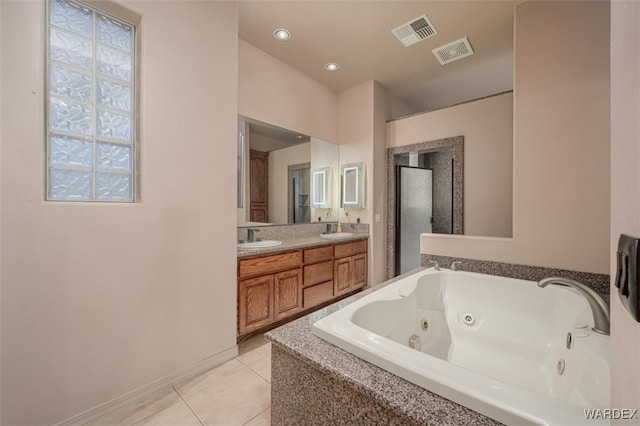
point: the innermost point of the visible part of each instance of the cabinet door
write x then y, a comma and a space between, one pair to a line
359, 271
255, 303
341, 276
288, 293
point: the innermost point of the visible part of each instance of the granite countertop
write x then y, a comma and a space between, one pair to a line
300, 242
419, 404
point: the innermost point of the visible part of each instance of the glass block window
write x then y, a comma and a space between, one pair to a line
90, 105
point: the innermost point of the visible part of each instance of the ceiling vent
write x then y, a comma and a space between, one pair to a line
453, 51
415, 31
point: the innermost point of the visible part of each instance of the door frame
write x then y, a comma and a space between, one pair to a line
456, 144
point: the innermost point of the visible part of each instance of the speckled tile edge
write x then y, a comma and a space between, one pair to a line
597, 282
302, 394
393, 392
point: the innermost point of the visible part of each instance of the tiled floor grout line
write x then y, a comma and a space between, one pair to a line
258, 373
188, 406
257, 415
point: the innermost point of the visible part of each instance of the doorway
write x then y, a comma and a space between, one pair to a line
444, 159
298, 193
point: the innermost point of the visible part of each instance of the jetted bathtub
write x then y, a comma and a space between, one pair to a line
499, 346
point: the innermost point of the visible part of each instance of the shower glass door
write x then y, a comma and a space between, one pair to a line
414, 213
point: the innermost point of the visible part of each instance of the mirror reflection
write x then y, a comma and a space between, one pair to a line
286, 176
320, 188
352, 186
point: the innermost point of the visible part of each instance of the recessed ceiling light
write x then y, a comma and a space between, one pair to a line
331, 66
282, 34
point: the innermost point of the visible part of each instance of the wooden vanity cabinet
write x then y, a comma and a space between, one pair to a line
255, 303
318, 276
350, 267
269, 289
287, 293
272, 288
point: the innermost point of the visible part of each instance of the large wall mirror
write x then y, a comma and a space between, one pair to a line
285, 177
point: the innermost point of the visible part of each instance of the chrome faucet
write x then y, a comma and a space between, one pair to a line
251, 234
599, 307
328, 230
454, 265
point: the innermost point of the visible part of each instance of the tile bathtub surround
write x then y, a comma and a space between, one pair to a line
315, 382
305, 395
597, 282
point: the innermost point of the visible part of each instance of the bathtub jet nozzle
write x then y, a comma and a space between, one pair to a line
599, 308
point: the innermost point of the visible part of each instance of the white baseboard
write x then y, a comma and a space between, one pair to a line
127, 398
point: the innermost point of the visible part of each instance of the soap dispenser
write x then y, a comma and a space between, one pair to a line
339, 228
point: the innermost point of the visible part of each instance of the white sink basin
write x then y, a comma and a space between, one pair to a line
337, 235
259, 244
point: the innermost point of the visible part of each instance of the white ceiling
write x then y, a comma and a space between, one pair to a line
357, 35
267, 137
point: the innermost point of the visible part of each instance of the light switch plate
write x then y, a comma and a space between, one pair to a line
627, 275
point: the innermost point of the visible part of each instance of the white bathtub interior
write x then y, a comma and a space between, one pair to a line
479, 332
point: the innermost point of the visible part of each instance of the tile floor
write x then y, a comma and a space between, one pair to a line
235, 393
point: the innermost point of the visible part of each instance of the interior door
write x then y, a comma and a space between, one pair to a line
259, 186
414, 213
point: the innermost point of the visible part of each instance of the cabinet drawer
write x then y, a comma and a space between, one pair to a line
268, 264
318, 272
317, 294
318, 254
347, 249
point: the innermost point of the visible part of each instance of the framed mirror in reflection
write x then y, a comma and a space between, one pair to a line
321, 188
284, 177
352, 190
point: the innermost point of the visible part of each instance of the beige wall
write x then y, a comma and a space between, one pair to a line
102, 299
273, 92
625, 190
362, 114
561, 143
356, 136
381, 113
279, 162
487, 127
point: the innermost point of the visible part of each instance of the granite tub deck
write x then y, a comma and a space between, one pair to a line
316, 383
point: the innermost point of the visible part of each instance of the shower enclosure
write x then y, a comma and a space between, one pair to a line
414, 214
